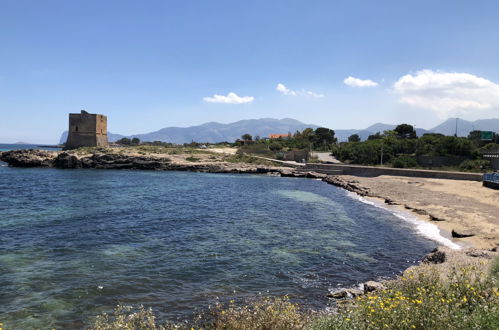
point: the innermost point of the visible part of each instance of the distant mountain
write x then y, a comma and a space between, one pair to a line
216, 132
343, 134
380, 127
464, 127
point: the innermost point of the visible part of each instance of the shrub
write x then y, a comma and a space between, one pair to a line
423, 300
475, 165
404, 162
264, 313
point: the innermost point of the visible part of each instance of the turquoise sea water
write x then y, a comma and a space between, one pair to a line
75, 243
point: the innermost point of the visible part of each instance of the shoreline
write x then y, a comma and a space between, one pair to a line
428, 200
468, 253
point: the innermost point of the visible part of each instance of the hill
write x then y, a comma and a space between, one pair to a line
464, 127
213, 132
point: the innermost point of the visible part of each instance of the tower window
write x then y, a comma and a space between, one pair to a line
76, 128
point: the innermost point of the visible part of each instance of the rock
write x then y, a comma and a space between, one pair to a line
28, 158
434, 218
461, 234
420, 211
345, 293
435, 257
273, 174
390, 202
370, 286
477, 253
66, 160
348, 185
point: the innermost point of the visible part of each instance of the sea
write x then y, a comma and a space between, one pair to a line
76, 243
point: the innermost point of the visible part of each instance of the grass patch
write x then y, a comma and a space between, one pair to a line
192, 159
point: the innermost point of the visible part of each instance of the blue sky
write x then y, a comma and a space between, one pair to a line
153, 64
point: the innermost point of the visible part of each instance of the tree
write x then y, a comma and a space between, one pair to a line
354, 138
247, 137
323, 138
135, 141
376, 136
124, 141
405, 131
275, 146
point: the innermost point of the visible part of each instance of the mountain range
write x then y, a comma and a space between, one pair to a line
213, 132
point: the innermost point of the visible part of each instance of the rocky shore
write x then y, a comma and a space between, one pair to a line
104, 160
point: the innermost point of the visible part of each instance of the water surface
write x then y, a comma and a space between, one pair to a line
77, 242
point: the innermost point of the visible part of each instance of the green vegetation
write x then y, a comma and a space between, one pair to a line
401, 148
129, 142
319, 139
465, 298
192, 159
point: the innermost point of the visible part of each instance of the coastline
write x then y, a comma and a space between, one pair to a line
378, 191
463, 211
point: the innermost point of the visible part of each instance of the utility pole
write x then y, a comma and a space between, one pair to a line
455, 134
381, 153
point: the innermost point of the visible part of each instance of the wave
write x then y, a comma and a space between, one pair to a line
424, 228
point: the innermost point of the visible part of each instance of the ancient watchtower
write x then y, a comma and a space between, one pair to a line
86, 130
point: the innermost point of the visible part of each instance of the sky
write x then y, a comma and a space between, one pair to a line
157, 63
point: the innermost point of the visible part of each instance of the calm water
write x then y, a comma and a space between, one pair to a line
7, 147
74, 243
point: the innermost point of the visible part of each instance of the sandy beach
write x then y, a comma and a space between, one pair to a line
465, 207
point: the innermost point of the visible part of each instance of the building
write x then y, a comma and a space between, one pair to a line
277, 136
87, 130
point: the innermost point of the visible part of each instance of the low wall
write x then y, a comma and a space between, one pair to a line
371, 171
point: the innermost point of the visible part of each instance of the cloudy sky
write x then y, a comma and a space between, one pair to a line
152, 64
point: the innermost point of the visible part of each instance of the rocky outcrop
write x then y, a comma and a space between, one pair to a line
461, 234
101, 160
435, 257
348, 185
371, 286
345, 293
28, 158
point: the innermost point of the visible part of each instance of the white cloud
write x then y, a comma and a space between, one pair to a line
447, 93
231, 98
313, 94
283, 89
356, 82
286, 91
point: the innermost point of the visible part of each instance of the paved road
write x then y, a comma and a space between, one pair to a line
326, 157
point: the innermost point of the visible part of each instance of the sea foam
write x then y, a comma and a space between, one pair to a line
424, 228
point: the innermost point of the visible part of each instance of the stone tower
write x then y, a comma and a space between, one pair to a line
86, 130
